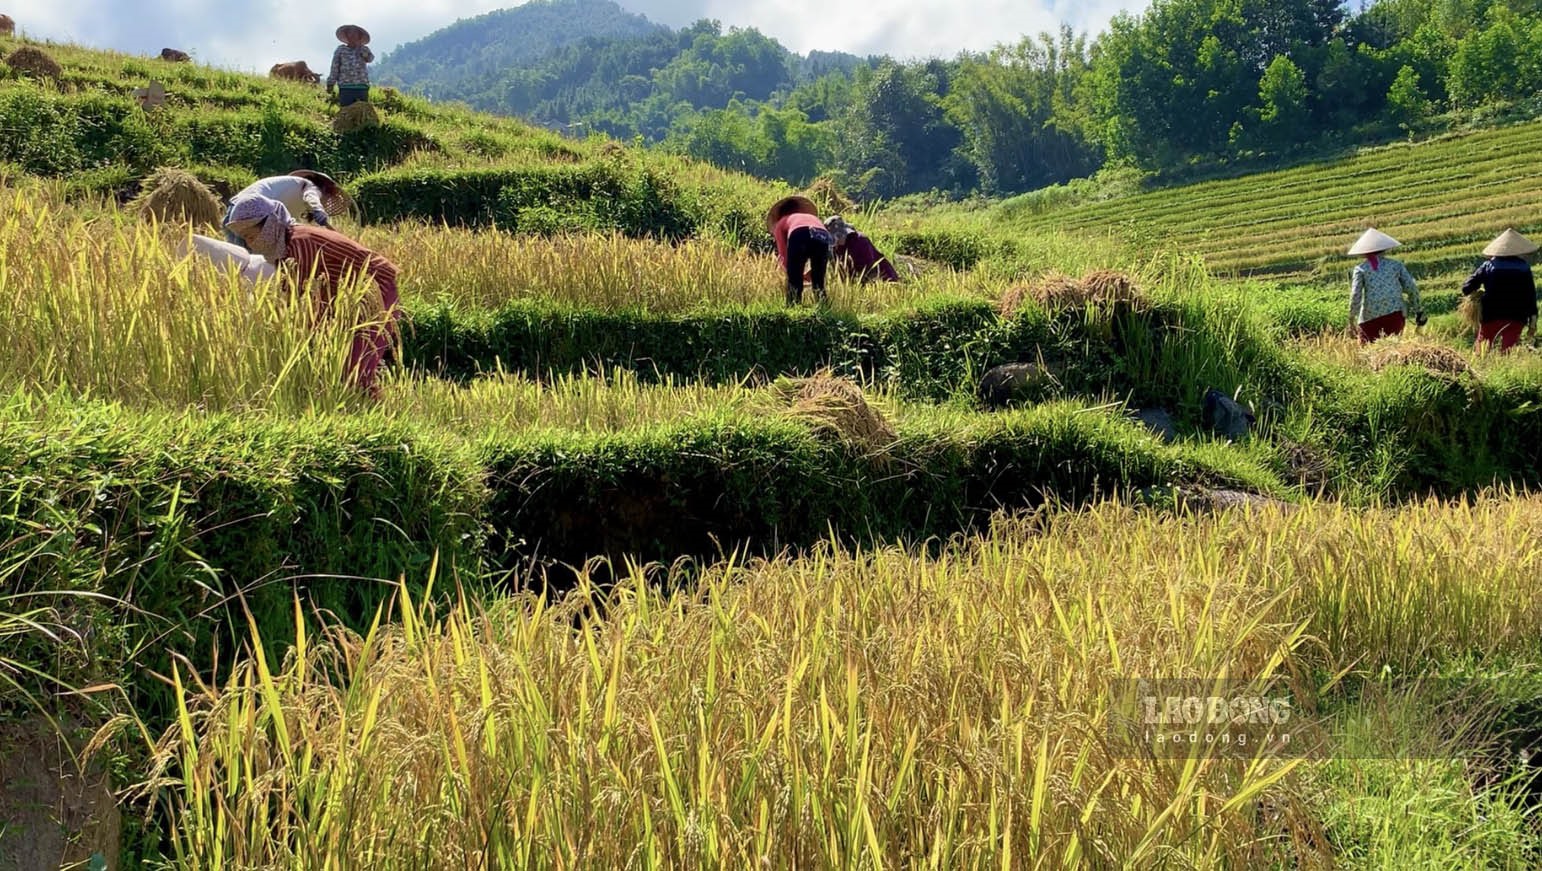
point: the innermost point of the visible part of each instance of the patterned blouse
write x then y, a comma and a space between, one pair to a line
350, 66
1375, 293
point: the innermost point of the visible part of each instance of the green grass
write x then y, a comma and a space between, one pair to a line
88, 131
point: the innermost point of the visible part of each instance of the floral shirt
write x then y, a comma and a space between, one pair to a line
350, 66
1378, 292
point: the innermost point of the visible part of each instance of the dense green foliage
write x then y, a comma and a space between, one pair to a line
459, 62
1184, 84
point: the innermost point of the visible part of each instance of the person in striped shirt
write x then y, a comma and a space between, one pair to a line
1377, 287
323, 261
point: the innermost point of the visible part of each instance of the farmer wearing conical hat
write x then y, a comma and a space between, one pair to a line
1377, 287
303, 192
1508, 292
323, 261
801, 240
350, 65
856, 255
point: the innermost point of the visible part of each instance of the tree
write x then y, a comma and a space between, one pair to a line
725, 137
897, 124
1282, 96
1010, 106
1406, 103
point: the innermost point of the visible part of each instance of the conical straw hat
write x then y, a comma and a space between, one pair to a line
333, 198
348, 30
1510, 244
789, 206
1373, 241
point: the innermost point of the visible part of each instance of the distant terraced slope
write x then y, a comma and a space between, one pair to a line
1442, 199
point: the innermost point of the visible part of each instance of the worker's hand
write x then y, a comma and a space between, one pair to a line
1421, 319
319, 218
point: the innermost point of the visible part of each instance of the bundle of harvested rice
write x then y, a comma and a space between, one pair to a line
1057, 290
173, 195
1011, 301
358, 116
829, 197
34, 62
1107, 286
836, 406
1433, 358
1471, 310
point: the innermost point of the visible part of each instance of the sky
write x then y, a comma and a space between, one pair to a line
255, 34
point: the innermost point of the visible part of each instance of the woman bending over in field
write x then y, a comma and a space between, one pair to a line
1509, 294
322, 261
303, 192
801, 239
856, 255
1377, 287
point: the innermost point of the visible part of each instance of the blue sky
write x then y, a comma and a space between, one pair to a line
253, 35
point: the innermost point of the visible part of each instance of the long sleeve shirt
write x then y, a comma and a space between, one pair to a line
1509, 291
861, 258
1378, 292
786, 225
299, 196
350, 66
327, 259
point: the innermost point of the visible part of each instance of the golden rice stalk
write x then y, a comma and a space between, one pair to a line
837, 406
1108, 286
359, 116
1471, 310
1057, 290
1105, 287
173, 195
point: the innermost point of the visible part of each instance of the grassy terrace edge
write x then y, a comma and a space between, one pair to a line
199, 517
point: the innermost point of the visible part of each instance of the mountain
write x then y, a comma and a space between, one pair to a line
456, 63
583, 65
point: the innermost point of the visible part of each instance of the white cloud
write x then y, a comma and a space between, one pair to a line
255, 34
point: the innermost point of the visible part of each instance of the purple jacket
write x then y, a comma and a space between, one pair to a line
860, 258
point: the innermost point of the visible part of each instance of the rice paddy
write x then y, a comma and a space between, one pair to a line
809, 606
1444, 200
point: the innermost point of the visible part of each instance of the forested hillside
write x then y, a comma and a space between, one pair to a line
470, 56
1185, 85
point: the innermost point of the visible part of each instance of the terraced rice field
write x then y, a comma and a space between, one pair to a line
1442, 199
632, 565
